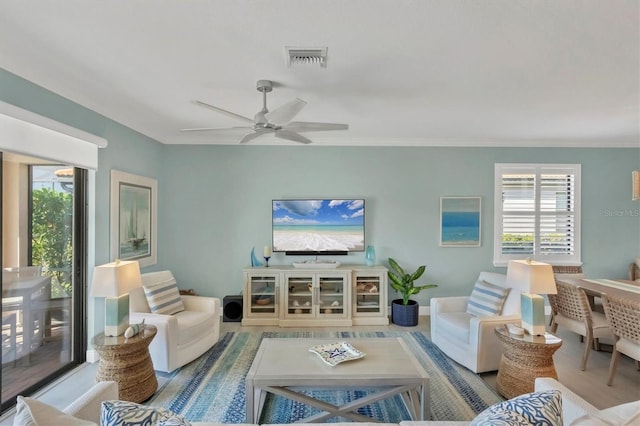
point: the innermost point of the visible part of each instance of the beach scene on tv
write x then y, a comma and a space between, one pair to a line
318, 225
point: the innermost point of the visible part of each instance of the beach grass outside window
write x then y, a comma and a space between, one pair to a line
537, 213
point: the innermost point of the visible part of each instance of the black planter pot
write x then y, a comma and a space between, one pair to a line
404, 315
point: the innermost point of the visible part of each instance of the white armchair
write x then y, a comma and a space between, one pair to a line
181, 337
471, 340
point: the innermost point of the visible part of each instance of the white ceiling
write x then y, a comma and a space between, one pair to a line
399, 72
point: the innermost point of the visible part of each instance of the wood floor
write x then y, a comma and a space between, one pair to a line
590, 384
43, 360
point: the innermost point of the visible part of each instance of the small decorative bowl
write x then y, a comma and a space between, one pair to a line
264, 300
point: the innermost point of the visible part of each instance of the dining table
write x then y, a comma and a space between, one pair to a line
622, 288
28, 289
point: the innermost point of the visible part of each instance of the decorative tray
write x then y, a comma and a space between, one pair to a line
335, 353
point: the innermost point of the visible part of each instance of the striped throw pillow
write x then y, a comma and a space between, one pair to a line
164, 298
486, 299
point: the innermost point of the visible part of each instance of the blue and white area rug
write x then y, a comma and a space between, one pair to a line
211, 388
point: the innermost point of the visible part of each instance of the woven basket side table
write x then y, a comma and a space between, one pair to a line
523, 359
127, 361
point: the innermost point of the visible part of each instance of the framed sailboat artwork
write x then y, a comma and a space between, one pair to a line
134, 206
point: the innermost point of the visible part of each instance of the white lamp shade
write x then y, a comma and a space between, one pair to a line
116, 278
531, 277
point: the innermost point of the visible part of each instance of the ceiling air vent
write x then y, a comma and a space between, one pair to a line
306, 56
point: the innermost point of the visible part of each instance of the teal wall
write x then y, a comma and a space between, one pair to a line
216, 205
215, 201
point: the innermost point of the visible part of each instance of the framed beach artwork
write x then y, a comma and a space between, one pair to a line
460, 221
134, 206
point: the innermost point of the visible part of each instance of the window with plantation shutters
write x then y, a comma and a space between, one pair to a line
537, 213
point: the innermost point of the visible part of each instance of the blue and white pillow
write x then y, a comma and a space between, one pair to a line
164, 298
536, 408
486, 299
124, 413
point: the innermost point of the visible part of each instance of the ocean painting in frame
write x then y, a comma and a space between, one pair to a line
460, 221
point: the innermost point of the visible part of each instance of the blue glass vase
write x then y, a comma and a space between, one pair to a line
370, 256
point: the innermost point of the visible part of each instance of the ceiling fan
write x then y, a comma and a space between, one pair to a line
278, 122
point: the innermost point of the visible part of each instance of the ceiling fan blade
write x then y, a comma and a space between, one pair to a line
284, 114
215, 129
305, 126
291, 136
224, 111
251, 136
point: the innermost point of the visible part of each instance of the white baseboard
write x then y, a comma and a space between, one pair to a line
92, 356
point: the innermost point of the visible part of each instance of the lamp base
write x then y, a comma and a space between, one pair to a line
116, 315
532, 313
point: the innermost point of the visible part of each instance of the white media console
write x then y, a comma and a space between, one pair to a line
289, 296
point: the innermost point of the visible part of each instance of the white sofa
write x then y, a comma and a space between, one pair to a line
467, 339
181, 337
573, 407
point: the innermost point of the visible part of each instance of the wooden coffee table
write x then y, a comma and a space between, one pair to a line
283, 366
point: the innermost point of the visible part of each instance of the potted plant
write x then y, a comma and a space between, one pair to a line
404, 311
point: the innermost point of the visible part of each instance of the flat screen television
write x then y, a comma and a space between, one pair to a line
318, 226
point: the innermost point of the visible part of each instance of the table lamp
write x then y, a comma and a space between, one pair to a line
114, 281
535, 278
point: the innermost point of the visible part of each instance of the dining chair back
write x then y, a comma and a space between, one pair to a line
9, 339
624, 317
562, 272
572, 311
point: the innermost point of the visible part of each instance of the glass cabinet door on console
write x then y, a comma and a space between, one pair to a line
299, 295
331, 296
316, 295
369, 296
261, 298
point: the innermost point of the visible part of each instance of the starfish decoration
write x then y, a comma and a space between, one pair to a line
336, 352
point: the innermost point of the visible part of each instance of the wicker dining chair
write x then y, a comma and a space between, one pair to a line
624, 317
634, 271
571, 310
561, 272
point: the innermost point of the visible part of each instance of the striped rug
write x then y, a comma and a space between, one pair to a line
211, 388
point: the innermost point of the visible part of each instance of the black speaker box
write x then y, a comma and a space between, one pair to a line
232, 308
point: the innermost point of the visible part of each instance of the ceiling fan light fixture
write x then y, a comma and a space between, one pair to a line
306, 56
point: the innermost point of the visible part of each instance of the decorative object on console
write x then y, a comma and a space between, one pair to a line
254, 259
370, 256
635, 193
316, 264
537, 278
114, 281
404, 311
267, 255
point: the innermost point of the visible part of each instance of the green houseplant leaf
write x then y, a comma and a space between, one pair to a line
403, 282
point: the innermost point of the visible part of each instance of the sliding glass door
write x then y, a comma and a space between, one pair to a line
43, 275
